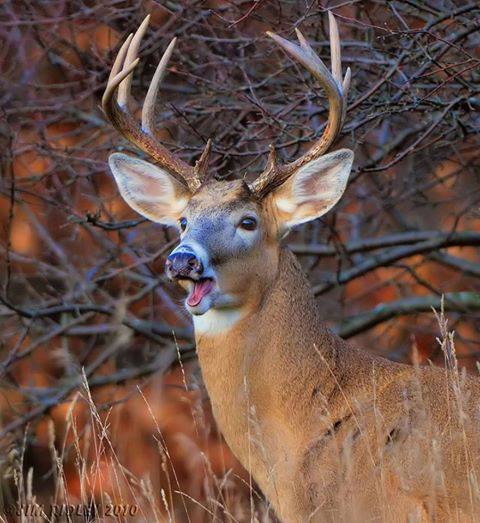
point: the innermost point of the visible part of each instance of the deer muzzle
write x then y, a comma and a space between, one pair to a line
189, 265
184, 263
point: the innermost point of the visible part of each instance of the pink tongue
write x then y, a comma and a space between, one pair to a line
200, 289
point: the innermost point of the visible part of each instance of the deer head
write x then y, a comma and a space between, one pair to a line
229, 231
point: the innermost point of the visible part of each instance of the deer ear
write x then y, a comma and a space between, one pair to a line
314, 189
149, 190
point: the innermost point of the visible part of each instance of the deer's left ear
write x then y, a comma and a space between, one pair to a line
314, 189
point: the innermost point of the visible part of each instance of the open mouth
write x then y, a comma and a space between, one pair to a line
199, 289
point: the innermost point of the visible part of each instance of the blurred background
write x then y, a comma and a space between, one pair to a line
101, 399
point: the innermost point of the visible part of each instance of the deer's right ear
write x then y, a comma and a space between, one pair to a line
149, 190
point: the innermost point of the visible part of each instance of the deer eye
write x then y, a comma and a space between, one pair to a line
248, 223
183, 223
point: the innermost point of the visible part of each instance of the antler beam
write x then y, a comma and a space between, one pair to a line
336, 89
115, 107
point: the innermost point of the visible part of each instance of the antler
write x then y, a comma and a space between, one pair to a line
336, 89
116, 110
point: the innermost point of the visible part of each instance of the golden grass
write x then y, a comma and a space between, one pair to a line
107, 490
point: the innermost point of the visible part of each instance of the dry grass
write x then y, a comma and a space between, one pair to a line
109, 490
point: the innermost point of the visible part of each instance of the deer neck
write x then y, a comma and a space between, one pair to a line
257, 361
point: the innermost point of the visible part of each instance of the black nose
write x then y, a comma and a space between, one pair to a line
183, 264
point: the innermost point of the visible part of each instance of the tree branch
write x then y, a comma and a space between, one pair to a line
389, 257
454, 302
466, 238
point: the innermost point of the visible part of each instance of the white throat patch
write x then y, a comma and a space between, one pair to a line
216, 321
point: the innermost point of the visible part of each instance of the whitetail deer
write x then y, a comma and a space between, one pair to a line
329, 432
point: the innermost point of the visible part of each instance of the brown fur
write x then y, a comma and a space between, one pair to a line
332, 433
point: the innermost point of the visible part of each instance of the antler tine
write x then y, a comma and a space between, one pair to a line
148, 109
113, 84
311, 61
116, 109
201, 165
117, 74
336, 54
345, 89
336, 91
335, 50
132, 53
346, 83
118, 63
